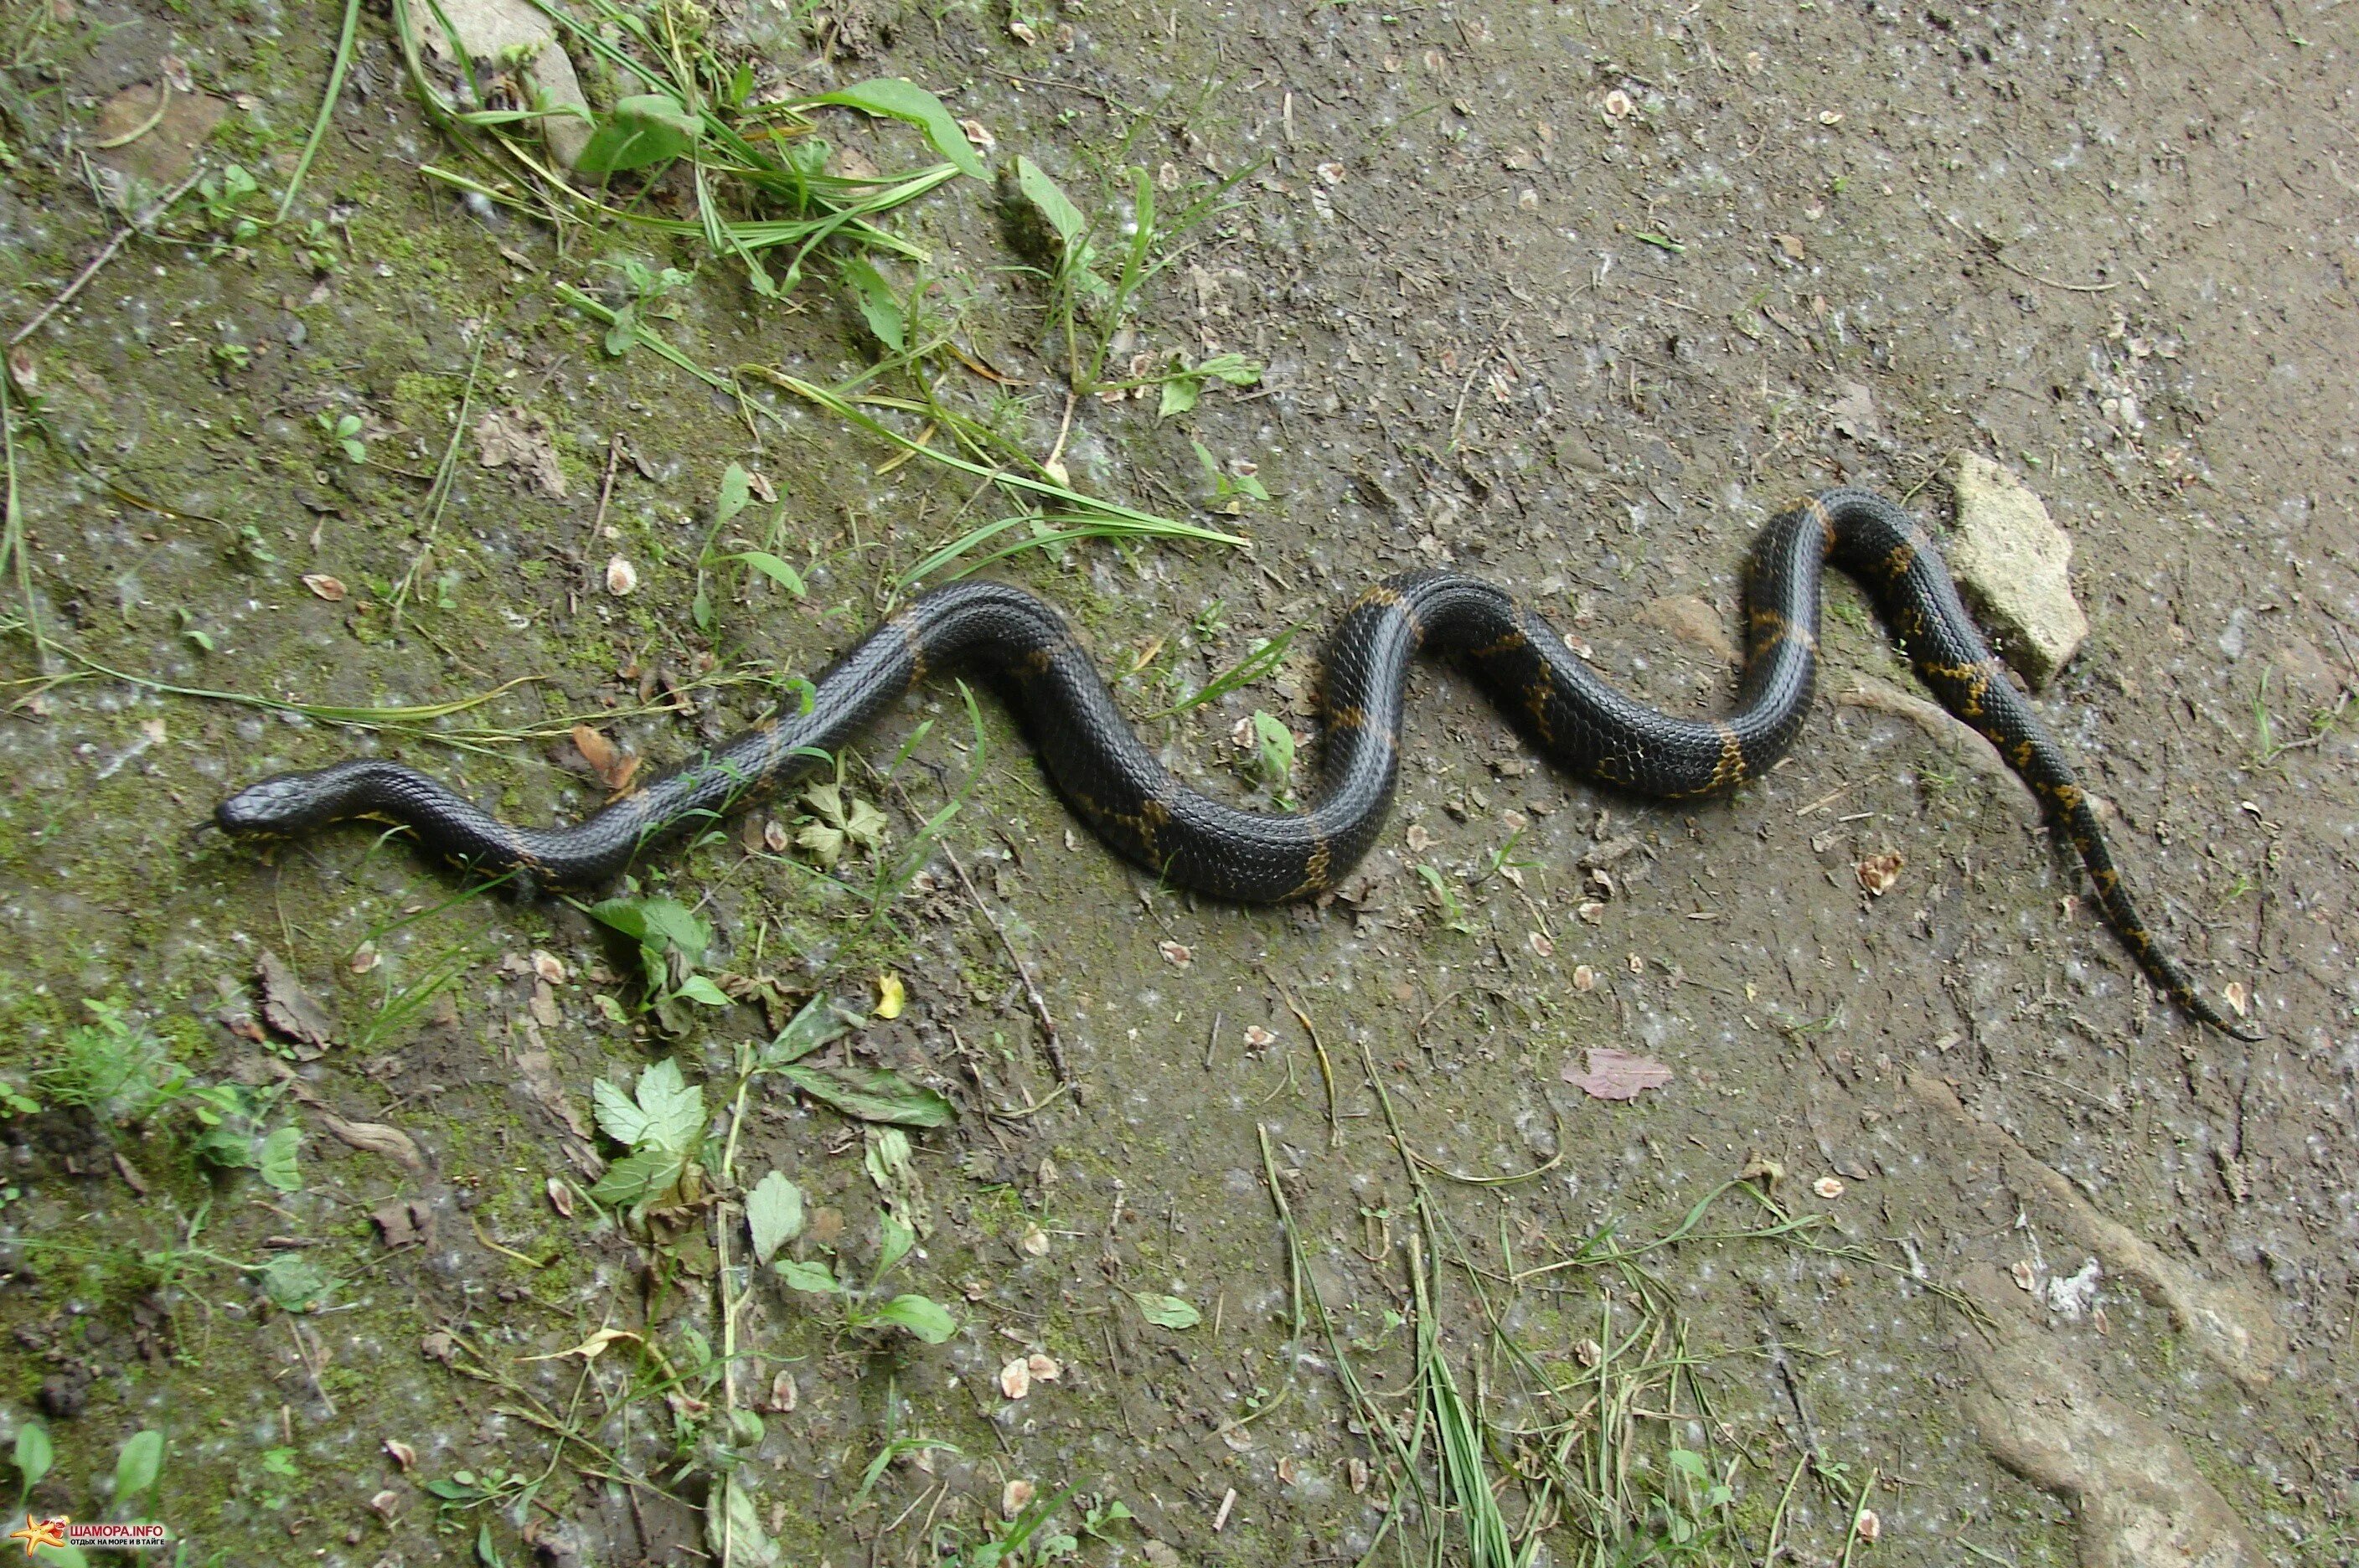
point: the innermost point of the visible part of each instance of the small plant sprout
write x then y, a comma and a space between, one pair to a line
344, 433
920, 1316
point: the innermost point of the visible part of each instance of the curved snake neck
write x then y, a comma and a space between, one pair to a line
1136, 805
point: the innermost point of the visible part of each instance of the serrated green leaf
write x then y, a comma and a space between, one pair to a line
645, 129
922, 1316
636, 1178
33, 1452
619, 1116
736, 494
292, 1283
906, 101
827, 799
776, 569
865, 824
774, 1213
812, 1276
826, 843
674, 1107
274, 1159
1166, 1311
871, 1094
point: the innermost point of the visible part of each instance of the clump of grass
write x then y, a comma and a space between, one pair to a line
115, 1067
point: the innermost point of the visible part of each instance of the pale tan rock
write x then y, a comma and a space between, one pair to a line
2012, 563
502, 32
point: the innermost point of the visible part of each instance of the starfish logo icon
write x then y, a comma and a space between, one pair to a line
39, 1532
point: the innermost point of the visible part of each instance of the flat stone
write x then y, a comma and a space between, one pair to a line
2013, 562
498, 32
161, 155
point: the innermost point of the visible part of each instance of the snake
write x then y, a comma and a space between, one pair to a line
1132, 803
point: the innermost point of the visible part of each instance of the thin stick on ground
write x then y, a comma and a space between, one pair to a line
1055, 1042
138, 225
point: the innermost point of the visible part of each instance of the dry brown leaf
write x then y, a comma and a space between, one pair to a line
332, 589
289, 1008
1616, 1074
375, 1138
521, 439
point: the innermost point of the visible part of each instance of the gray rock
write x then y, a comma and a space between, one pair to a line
2011, 560
499, 32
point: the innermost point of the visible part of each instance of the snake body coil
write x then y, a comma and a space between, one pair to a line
1135, 804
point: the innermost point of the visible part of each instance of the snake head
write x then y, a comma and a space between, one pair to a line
288, 803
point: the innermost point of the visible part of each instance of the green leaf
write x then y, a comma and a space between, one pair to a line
1179, 395
674, 1107
776, 569
812, 1277
1166, 1311
818, 1023
900, 100
736, 494
292, 1283
619, 1116
487, 1551
1233, 368
697, 988
825, 844
872, 1094
774, 1213
1052, 203
636, 1178
35, 1453
864, 824
138, 1467
657, 922
895, 1239
649, 129
1277, 746
734, 1532
877, 304
919, 1315
274, 1158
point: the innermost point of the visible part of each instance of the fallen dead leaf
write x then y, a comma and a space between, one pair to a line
1175, 953
289, 1008
1877, 873
401, 1454
1015, 1497
332, 589
521, 439
1617, 1075
612, 764
1016, 1378
1828, 1187
404, 1222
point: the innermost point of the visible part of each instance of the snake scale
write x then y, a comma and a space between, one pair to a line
1130, 800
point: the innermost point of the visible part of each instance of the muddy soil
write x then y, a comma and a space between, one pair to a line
2015, 1259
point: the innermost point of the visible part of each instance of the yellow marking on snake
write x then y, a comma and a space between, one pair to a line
1315, 874
1904, 556
1816, 511
1038, 662
1536, 701
1514, 639
1730, 769
1350, 716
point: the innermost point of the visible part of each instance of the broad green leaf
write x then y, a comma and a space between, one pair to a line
734, 1532
920, 1316
906, 101
887, 1159
636, 1178
826, 843
1166, 1311
292, 1283
878, 305
818, 1023
774, 1213
736, 494
274, 1158
864, 824
1233, 368
697, 988
657, 922
776, 569
1052, 203
827, 799
649, 129
812, 1276
894, 1240
871, 1094
138, 1467
35, 1453
1179, 395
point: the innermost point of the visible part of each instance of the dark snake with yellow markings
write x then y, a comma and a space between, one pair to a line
1135, 804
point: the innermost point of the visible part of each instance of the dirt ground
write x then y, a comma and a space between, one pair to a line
1970, 1250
